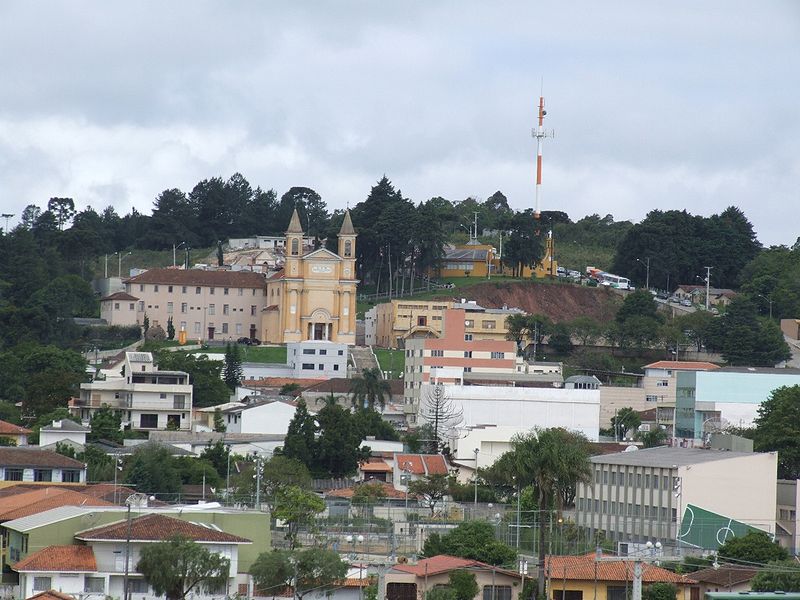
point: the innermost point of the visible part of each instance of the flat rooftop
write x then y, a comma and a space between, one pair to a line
666, 457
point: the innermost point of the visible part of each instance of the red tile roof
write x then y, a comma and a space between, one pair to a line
375, 467
201, 277
154, 528
388, 489
41, 499
7, 428
33, 457
442, 563
725, 575
682, 365
59, 558
422, 464
586, 568
118, 296
278, 382
51, 595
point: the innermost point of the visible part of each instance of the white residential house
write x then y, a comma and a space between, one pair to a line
32, 464
147, 397
98, 566
64, 431
317, 359
270, 416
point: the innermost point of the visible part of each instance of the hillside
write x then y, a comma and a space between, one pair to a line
559, 302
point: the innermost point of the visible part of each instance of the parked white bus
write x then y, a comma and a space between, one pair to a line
615, 281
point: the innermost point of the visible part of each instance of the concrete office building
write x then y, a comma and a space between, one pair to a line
632, 495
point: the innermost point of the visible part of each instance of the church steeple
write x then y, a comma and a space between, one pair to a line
294, 244
347, 246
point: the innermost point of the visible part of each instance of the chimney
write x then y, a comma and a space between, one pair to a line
57, 424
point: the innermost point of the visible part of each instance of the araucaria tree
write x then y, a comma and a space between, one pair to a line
232, 372
178, 566
441, 413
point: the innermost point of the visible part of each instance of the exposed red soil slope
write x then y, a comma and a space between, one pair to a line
559, 302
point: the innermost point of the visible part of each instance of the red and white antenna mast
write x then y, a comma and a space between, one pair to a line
539, 133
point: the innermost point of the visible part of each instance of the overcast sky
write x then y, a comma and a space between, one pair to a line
666, 105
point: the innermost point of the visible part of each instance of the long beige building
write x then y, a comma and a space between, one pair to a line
207, 305
391, 323
314, 296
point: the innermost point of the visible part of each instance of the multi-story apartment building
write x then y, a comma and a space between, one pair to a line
452, 353
637, 496
147, 397
390, 324
206, 305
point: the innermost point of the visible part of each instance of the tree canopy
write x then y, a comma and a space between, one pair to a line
176, 567
778, 429
754, 547
471, 539
309, 569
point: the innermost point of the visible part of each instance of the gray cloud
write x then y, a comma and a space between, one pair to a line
656, 105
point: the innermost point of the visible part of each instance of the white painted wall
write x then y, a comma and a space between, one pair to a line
51, 437
526, 408
743, 488
267, 418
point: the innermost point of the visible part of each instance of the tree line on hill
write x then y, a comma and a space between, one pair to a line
48, 260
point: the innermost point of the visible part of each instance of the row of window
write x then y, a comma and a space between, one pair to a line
634, 479
627, 510
212, 308
225, 328
322, 351
197, 290
91, 585
67, 475
310, 367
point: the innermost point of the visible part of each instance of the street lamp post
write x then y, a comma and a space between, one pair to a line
475, 502
768, 299
228, 476
138, 499
646, 262
175, 255
119, 263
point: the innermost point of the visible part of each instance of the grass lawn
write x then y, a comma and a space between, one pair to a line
256, 354
391, 360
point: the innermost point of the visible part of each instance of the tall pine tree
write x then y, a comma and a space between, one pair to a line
232, 372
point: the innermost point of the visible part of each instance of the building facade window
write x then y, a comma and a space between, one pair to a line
498, 355
197, 290
226, 309
467, 353
169, 308
13, 474
184, 307
224, 328
148, 421
497, 592
41, 584
43, 475
212, 309
70, 475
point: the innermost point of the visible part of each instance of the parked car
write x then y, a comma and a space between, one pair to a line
686, 302
674, 299
663, 295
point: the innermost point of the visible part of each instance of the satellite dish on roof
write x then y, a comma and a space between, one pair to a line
631, 448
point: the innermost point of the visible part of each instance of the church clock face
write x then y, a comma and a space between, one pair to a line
347, 271
294, 269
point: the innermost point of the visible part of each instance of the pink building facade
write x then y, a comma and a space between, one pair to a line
446, 359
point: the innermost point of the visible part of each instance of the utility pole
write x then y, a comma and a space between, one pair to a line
708, 283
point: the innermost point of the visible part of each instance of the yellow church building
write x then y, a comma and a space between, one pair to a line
314, 296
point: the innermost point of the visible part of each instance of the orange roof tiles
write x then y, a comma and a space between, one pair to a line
388, 489
59, 558
7, 428
586, 568
442, 563
375, 467
41, 499
682, 365
51, 595
422, 464
201, 277
154, 527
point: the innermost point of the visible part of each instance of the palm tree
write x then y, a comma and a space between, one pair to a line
370, 390
553, 462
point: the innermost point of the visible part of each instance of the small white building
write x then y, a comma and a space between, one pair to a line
317, 359
98, 566
148, 397
33, 464
65, 431
270, 416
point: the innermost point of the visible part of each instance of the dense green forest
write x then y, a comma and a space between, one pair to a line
48, 260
